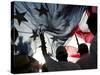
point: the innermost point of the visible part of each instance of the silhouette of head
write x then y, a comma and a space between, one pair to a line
61, 53
83, 49
26, 64
92, 23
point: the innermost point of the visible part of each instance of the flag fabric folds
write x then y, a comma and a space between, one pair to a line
56, 21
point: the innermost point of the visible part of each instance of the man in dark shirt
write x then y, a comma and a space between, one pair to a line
85, 61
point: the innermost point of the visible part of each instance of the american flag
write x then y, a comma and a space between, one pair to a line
56, 21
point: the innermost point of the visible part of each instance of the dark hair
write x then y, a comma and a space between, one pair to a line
61, 53
92, 23
25, 64
83, 49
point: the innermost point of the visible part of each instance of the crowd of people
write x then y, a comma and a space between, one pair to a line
24, 63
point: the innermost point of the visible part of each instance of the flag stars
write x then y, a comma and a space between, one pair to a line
34, 34
20, 16
42, 11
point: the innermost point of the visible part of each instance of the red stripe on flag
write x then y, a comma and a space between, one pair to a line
76, 55
72, 51
86, 36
